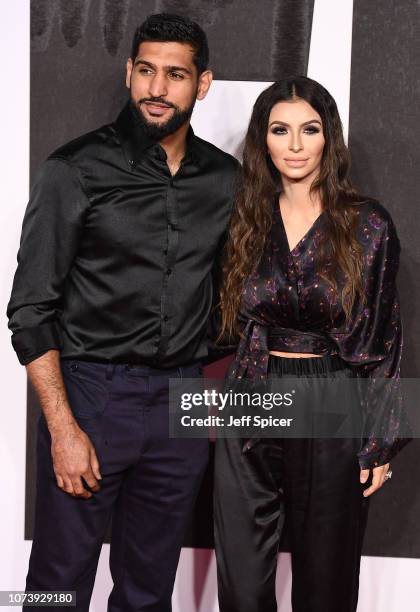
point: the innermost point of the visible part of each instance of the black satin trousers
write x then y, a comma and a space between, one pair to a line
308, 487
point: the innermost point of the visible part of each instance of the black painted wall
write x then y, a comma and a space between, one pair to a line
384, 142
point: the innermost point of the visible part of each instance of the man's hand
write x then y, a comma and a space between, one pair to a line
378, 478
74, 458
73, 454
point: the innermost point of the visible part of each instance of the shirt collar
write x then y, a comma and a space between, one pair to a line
135, 141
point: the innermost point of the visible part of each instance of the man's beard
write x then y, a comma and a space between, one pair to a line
158, 131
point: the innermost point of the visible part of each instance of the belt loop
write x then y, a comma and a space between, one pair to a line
109, 372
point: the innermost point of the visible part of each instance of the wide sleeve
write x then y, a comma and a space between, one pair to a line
372, 341
51, 231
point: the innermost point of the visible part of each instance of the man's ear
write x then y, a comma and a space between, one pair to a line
129, 70
204, 83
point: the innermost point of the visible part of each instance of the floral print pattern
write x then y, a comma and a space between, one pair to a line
288, 306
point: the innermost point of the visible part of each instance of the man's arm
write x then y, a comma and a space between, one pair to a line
73, 454
51, 230
218, 349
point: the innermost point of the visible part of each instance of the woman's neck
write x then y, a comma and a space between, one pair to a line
296, 195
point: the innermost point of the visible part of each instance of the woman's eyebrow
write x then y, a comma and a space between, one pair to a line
302, 124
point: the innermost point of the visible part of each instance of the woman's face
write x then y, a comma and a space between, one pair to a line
295, 139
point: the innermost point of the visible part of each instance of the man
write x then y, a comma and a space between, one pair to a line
111, 298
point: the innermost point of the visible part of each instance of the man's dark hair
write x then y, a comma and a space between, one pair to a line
164, 27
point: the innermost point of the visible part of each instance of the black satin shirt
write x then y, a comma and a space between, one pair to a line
287, 306
118, 259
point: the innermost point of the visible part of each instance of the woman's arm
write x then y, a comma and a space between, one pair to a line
372, 340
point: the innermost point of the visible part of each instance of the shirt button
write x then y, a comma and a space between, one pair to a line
166, 318
168, 271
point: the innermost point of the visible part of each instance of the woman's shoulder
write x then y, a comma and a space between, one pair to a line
374, 217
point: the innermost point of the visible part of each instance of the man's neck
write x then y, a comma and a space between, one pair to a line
175, 145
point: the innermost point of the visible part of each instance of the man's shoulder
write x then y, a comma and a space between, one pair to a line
210, 151
87, 146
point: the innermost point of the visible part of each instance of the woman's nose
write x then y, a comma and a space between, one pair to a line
295, 143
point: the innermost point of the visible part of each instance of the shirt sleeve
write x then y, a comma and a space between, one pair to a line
51, 231
373, 341
220, 348
217, 348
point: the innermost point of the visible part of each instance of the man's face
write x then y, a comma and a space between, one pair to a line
164, 85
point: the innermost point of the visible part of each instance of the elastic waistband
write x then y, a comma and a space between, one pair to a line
302, 366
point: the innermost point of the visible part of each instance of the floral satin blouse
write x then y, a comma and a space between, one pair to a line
287, 306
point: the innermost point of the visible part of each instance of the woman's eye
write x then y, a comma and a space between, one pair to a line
279, 130
312, 129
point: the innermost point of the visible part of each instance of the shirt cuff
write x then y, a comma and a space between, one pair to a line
383, 455
31, 342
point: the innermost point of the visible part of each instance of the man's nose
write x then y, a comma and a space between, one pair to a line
157, 87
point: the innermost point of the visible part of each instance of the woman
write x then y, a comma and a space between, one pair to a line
310, 278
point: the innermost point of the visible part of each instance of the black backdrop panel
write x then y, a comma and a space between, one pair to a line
79, 48
78, 54
384, 143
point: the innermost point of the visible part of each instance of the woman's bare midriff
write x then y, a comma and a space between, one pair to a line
293, 355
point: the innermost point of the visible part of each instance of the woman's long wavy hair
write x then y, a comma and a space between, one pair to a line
253, 206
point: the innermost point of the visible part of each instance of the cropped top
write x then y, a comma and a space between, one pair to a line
287, 306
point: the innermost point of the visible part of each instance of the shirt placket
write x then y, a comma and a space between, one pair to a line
167, 301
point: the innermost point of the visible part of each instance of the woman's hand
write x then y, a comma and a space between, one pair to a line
378, 478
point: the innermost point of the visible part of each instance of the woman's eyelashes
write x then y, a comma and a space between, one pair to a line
309, 129
312, 129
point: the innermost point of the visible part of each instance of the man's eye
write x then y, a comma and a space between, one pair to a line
145, 71
176, 75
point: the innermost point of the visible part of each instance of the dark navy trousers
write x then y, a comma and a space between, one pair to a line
149, 485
